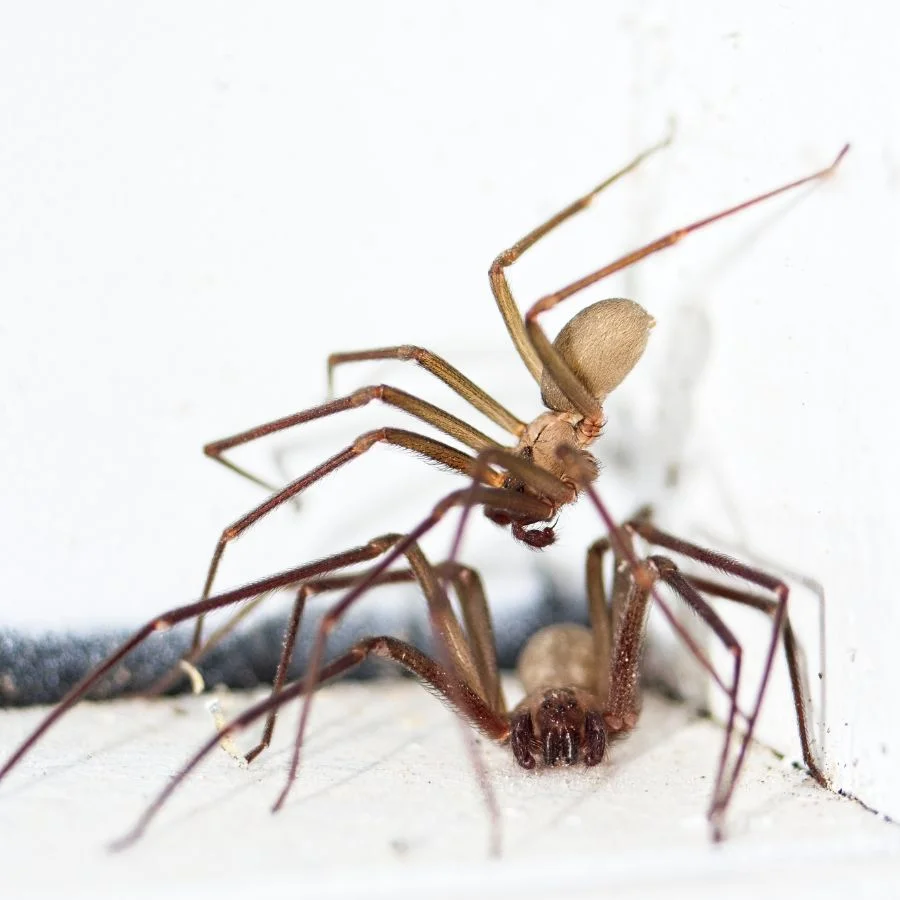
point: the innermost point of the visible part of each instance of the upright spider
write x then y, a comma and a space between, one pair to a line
583, 685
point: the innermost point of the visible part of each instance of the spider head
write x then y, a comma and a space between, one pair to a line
561, 725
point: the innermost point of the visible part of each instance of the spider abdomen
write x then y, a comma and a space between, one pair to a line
601, 345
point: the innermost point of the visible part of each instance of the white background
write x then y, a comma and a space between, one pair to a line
200, 201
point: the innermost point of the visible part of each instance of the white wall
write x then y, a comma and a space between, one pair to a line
200, 201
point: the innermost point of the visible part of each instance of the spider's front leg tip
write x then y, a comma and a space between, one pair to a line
124, 842
716, 818
843, 152
276, 806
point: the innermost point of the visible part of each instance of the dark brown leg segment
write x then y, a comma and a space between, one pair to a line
535, 337
671, 576
287, 651
796, 664
624, 702
421, 409
318, 586
779, 614
423, 446
455, 691
468, 662
480, 629
171, 618
440, 368
515, 503
500, 287
645, 576
628, 627
600, 614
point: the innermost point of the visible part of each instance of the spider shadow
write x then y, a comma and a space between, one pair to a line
46, 773
298, 798
358, 727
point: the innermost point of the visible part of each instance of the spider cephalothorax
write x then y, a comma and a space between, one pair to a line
600, 345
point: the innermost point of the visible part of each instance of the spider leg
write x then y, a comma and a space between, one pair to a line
547, 357
289, 642
500, 498
431, 449
287, 652
441, 369
500, 287
222, 631
480, 630
761, 579
670, 575
623, 706
623, 703
476, 616
369, 551
606, 612
794, 657
633, 589
457, 692
482, 667
391, 396
621, 544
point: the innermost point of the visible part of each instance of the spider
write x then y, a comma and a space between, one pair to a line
582, 685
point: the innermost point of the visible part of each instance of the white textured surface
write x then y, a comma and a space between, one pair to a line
387, 803
199, 202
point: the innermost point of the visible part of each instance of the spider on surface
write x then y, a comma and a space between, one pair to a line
582, 685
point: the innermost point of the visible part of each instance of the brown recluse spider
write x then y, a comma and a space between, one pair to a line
583, 684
